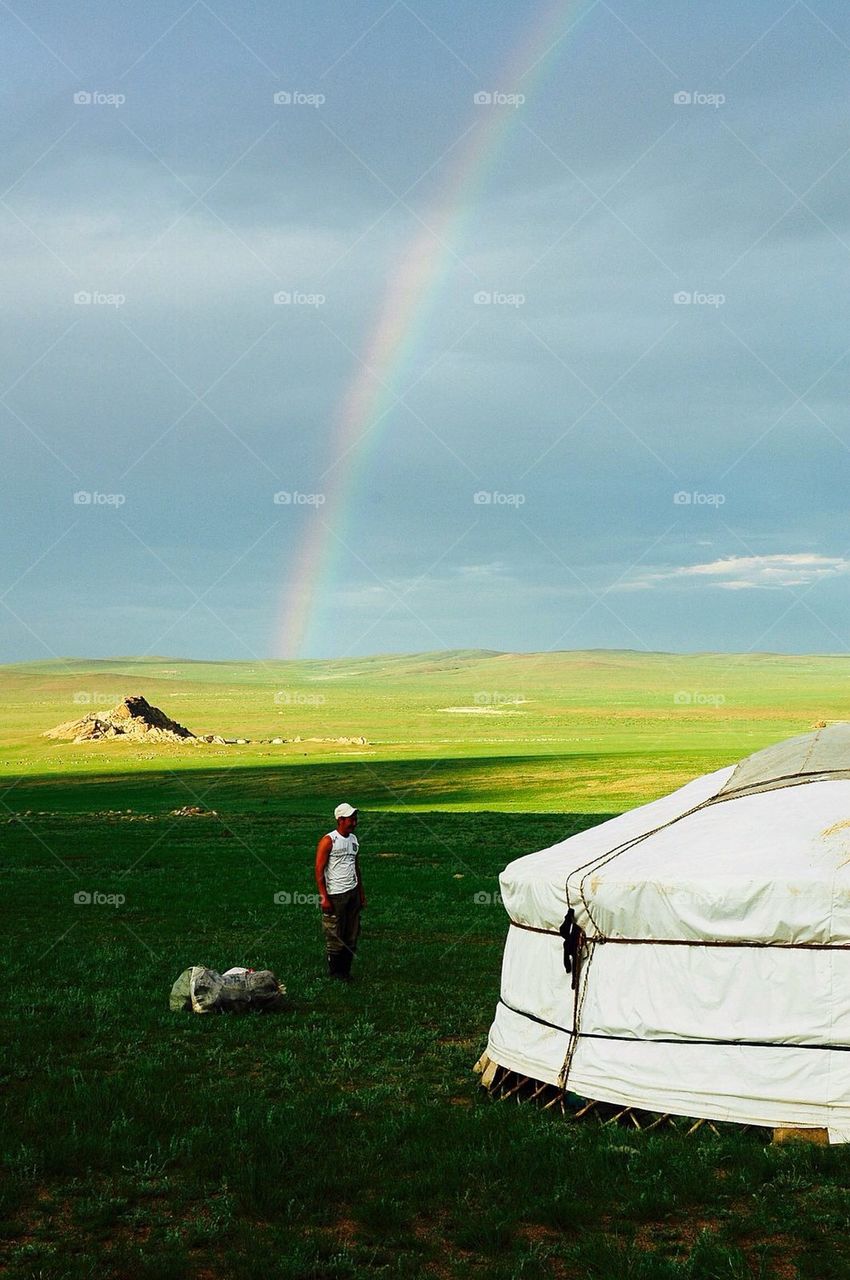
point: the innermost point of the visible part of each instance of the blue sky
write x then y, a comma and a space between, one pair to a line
657, 416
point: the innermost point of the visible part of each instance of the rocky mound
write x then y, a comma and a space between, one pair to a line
133, 717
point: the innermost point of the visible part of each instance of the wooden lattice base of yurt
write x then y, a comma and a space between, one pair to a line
503, 1085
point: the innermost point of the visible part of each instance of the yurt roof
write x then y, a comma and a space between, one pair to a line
811, 757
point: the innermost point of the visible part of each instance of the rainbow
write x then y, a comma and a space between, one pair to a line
405, 310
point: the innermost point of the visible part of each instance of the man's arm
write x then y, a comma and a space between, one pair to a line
359, 881
323, 851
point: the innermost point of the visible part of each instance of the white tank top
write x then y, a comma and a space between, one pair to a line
341, 871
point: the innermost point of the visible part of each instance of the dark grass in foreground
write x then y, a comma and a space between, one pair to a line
346, 1135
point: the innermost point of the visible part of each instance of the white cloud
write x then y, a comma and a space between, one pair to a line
493, 569
199, 262
742, 573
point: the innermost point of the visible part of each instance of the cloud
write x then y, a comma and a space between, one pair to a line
482, 572
742, 573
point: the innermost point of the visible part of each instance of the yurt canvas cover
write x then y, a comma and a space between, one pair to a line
714, 963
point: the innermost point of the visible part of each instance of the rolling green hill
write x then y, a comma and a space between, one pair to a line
593, 731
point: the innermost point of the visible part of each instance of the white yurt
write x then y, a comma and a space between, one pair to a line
692, 957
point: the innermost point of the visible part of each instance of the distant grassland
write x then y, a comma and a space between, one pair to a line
588, 732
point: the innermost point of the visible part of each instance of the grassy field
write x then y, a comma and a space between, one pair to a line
553, 732
346, 1136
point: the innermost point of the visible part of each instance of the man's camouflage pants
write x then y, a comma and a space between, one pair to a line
341, 928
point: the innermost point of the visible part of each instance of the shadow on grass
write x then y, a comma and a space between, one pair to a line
514, 782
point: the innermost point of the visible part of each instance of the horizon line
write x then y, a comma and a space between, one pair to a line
471, 652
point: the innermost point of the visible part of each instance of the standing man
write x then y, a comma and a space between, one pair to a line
341, 895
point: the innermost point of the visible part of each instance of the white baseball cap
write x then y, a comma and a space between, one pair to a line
344, 811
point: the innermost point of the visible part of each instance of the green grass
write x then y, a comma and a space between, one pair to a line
552, 732
346, 1136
